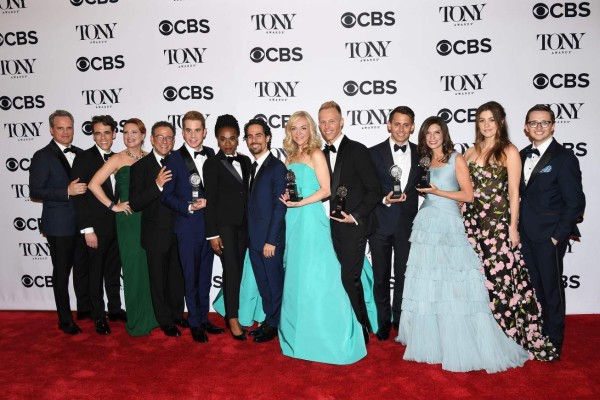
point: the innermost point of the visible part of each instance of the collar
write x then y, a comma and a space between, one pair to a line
544, 146
192, 150
260, 160
102, 152
338, 141
158, 156
62, 147
392, 143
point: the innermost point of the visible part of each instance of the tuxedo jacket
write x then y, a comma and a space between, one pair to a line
226, 193
266, 213
177, 193
553, 199
91, 212
144, 196
49, 178
355, 170
389, 218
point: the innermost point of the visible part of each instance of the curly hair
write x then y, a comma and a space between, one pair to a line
314, 142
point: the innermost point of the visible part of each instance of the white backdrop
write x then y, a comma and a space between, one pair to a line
158, 59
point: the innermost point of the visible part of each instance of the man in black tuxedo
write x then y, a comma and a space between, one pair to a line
552, 203
98, 224
188, 203
50, 183
226, 179
394, 215
148, 177
351, 167
266, 225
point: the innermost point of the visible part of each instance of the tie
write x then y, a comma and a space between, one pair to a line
231, 159
531, 152
107, 156
397, 147
201, 152
252, 173
69, 150
330, 148
163, 162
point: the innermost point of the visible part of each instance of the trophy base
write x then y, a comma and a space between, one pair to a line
337, 214
396, 196
423, 186
296, 199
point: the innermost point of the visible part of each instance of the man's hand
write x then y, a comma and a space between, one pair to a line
91, 240
217, 245
164, 176
389, 200
75, 188
198, 205
348, 219
268, 250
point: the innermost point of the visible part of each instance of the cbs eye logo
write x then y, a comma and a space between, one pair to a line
77, 3
273, 54
373, 18
559, 10
167, 27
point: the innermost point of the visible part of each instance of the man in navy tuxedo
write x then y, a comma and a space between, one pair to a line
552, 203
394, 215
148, 176
98, 225
184, 194
350, 166
266, 225
50, 183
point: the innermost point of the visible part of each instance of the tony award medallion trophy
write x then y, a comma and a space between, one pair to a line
425, 163
339, 203
290, 178
396, 174
195, 182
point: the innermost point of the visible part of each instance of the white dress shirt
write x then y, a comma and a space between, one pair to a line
532, 161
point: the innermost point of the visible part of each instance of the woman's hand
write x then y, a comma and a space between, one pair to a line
285, 199
430, 190
513, 236
122, 207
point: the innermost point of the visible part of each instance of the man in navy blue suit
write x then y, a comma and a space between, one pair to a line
49, 182
184, 194
394, 215
266, 225
552, 203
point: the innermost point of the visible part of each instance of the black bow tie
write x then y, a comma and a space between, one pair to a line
69, 150
163, 162
201, 152
398, 147
530, 152
330, 147
107, 156
237, 158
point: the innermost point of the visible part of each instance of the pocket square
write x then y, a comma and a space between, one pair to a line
546, 169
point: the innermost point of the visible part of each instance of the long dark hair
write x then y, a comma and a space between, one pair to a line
501, 140
447, 145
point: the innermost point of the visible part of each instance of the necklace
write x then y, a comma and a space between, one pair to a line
134, 156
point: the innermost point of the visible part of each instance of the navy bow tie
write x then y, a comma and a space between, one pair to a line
331, 148
398, 147
201, 152
530, 152
69, 150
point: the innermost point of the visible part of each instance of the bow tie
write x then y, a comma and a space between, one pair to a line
530, 152
231, 159
107, 156
201, 152
330, 147
398, 147
163, 162
69, 150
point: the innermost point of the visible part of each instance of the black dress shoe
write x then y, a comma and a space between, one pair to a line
120, 315
70, 328
171, 330
366, 334
384, 331
81, 315
102, 327
182, 323
212, 329
199, 335
268, 333
241, 337
258, 331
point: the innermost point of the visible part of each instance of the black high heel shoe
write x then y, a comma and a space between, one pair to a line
241, 337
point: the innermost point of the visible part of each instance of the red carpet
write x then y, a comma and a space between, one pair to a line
39, 361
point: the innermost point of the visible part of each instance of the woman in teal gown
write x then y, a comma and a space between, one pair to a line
446, 317
136, 281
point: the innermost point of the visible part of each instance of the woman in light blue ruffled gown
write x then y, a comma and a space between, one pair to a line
446, 317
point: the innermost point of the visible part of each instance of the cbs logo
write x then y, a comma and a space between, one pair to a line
374, 18
100, 63
171, 93
460, 47
273, 54
12, 164
32, 224
558, 81
22, 102
182, 26
39, 281
352, 88
77, 3
18, 38
558, 10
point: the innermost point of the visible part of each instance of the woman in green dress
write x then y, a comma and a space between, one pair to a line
136, 282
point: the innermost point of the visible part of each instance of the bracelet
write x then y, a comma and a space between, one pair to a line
111, 205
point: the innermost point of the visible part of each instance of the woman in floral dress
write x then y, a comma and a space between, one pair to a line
491, 222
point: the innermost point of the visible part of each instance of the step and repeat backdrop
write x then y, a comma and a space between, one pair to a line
158, 59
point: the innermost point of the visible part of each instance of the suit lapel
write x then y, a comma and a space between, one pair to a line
107, 184
523, 158
544, 160
386, 155
414, 164
61, 157
337, 171
264, 166
229, 167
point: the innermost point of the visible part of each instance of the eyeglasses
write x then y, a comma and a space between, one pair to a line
534, 124
162, 138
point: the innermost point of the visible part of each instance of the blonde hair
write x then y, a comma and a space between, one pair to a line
314, 141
